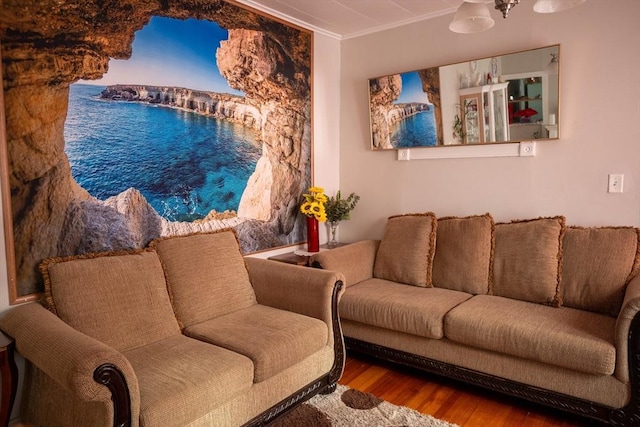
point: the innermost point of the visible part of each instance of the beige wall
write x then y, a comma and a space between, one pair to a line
600, 114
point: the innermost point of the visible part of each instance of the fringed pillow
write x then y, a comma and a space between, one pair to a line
597, 264
528, 260
407, 248
464, 248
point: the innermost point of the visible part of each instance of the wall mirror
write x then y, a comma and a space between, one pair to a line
506, 98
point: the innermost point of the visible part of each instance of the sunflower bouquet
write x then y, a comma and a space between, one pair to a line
313, 205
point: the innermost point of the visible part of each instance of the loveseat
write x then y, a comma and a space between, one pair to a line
186, 332
531, 308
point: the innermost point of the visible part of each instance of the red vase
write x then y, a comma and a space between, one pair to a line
313, 239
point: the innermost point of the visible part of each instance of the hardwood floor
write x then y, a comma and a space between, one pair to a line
448, 400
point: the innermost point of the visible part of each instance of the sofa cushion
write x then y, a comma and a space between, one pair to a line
206, 275
406, 251
464, 247
390, 305
565, 337
273, 339
119, 299
182, 379
528, 259
597, 264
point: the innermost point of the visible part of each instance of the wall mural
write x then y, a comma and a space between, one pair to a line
135, 124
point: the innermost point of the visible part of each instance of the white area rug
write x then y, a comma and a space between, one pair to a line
352, 408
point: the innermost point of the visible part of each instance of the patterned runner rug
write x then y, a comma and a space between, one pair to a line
350, 408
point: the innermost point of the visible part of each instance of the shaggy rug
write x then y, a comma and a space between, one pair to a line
350, 408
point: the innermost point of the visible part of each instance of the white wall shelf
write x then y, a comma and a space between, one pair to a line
516, 149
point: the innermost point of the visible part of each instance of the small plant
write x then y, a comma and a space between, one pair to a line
458, 131
338, 209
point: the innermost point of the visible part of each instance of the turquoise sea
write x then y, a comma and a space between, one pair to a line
418, 130
183, 163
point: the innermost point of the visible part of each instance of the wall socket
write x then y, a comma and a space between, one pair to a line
615, 182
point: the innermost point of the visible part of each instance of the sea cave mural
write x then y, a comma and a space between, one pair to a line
176, 157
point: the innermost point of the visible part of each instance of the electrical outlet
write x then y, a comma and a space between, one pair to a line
615, 182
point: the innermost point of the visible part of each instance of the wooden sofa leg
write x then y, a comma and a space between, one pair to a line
9, 372
329, 389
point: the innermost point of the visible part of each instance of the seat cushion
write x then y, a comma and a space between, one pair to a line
407, 248
527, 260
565, 337
182, 379
597, 264
206, 275
273, 339
464, 247
390, 305
119, 299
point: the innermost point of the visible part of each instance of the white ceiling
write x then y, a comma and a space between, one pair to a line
350, 18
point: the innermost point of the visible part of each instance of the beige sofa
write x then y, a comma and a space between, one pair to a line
186, 332
533, 308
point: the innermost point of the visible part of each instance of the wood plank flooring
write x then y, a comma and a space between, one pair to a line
448, 400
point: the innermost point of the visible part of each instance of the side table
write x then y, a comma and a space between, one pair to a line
299, 257
9, 372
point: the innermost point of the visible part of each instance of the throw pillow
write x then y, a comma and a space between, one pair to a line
407, 248
464, 248
118, 298
528, 260
597, 264
206, 275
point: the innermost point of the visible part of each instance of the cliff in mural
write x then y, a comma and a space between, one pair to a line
211, 104
45, 48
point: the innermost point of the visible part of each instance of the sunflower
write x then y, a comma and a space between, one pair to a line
313, 205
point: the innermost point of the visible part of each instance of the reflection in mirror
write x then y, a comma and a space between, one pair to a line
507, 98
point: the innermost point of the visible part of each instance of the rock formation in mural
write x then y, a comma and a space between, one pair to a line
47, 46
211, 104
383, 91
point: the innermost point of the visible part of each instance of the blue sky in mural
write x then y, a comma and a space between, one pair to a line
172, 52
412, 89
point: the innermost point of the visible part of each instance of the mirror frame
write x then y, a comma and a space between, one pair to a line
446, 87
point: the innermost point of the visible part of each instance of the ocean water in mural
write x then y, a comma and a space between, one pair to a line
418, 130
185, 164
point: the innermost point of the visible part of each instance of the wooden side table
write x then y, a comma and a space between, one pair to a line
9, 372
292, 258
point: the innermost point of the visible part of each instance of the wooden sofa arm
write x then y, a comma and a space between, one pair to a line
89, 369
355, 261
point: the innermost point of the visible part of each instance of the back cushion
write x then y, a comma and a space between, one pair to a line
597, 265
206, 275
528, 260
406, 251
118, 299
464, 247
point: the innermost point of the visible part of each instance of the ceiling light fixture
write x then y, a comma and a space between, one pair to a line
473, 15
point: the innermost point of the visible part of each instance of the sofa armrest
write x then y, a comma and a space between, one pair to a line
89, 369
294, 288
624, 323
355, 261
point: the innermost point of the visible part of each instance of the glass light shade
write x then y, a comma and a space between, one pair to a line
552, 6
471, 18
